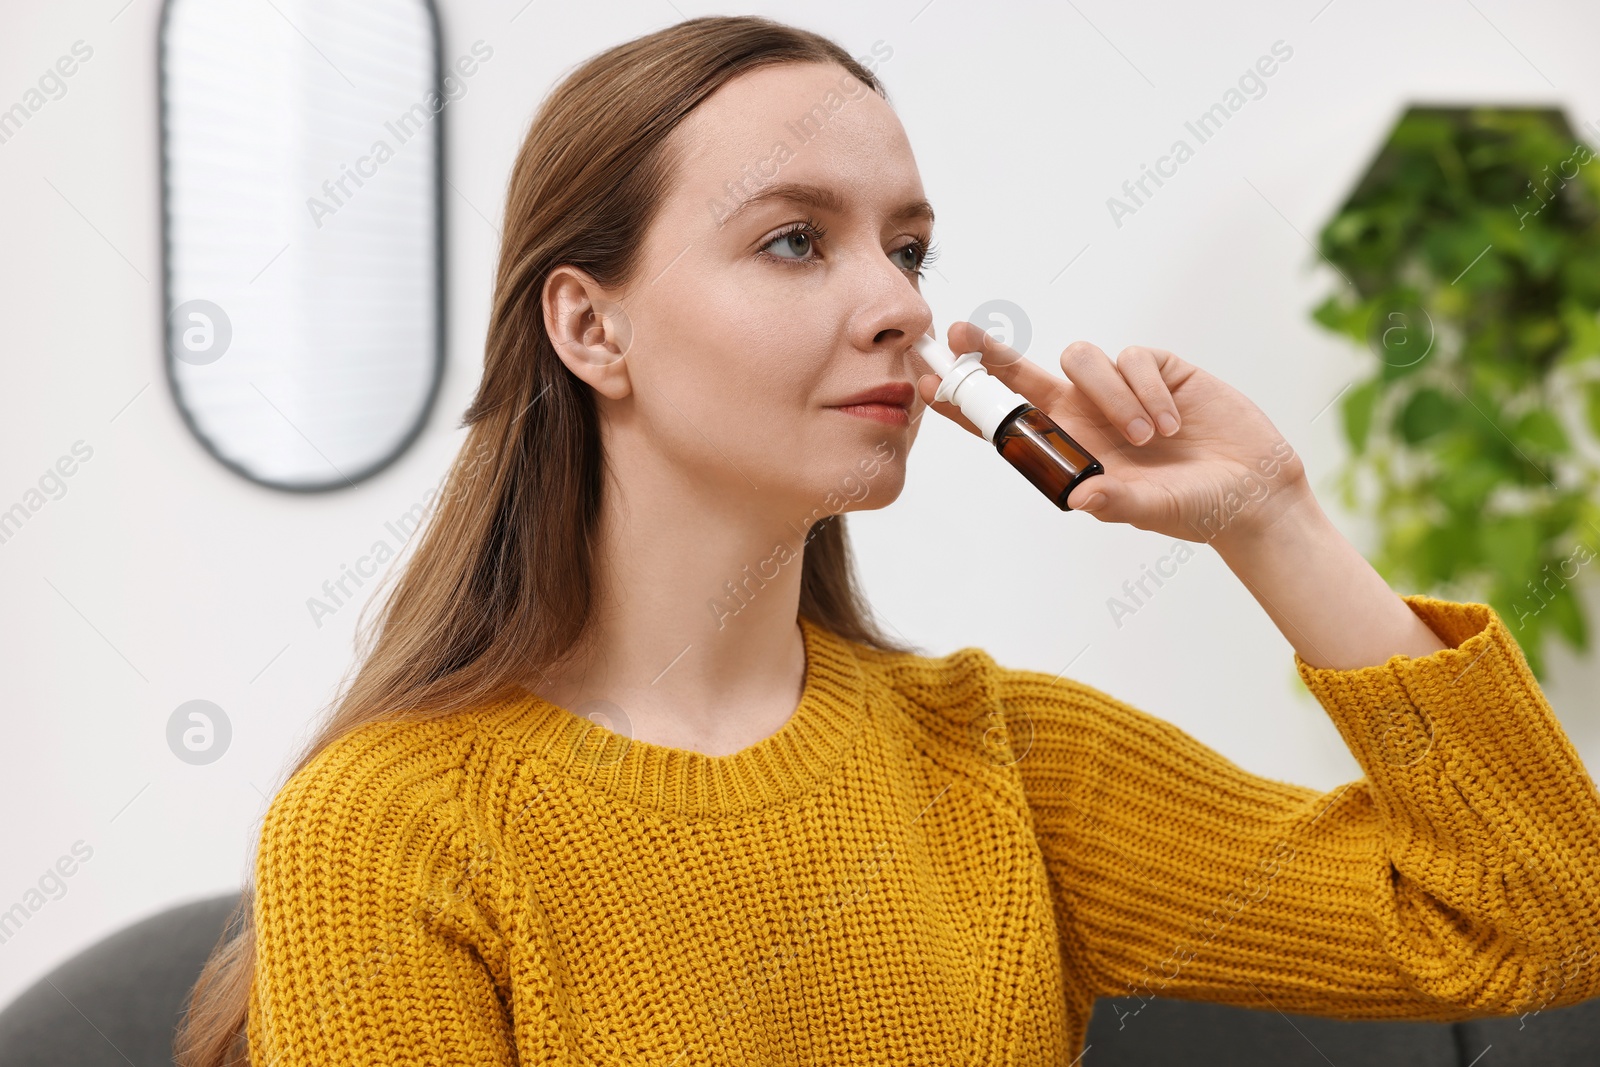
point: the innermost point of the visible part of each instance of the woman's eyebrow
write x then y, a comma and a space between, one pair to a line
826, 199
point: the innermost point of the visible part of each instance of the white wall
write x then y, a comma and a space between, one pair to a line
159, 577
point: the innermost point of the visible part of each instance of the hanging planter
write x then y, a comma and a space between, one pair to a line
1470, 255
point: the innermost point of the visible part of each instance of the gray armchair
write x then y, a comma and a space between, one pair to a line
118, 1002
1185, 1032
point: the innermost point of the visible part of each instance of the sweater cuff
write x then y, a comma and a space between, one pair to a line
1480, 683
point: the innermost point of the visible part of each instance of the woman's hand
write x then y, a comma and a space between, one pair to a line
1185, 454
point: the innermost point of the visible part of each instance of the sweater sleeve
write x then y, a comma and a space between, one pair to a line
1460, 876
372, 947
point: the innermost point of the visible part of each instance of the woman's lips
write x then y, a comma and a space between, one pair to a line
892, 414
889, 402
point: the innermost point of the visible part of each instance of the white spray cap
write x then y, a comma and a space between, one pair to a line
964, 381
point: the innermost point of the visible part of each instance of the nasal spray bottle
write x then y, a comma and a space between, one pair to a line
1023, 434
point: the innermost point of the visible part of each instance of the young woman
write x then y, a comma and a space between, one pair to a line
629, 776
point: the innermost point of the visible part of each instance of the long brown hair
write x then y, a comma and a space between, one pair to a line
500, 585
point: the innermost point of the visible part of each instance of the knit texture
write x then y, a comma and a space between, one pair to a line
936, 860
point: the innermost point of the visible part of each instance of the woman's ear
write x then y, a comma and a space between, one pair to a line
590, 331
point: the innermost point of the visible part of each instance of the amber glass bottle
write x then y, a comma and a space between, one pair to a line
1045, 453
1027, 437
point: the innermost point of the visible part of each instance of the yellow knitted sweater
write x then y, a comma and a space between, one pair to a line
934, 861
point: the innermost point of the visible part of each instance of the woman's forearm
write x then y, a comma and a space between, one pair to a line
1323, 595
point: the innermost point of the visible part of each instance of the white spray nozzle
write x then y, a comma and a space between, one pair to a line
964, 381
935, 354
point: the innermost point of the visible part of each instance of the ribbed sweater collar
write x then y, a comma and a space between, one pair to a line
801, 756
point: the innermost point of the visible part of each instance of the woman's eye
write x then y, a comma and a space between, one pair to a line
793, 246
923, 253
798, 241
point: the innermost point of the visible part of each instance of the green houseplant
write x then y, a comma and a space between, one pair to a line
1470, 256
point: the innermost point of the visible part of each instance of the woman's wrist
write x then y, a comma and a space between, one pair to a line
1287, 514
1322, 594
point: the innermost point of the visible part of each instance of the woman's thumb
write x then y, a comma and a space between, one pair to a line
1093, 495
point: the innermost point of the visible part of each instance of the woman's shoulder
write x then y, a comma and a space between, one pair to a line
933, 681
951, 706
378, 773
380, 822
970, 695
968, 677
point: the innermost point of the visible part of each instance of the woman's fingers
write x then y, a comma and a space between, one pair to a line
1095, 494
1120, 391
1091, 370
1133, 394
1136, 503
1145, 371
1019, 374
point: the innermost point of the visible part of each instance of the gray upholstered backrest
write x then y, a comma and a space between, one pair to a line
117, 1002
1180, 1032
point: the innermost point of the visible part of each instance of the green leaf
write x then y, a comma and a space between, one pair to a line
1341, 317
1512, 544
1345, 482
1567, 617
1541, 429
1346, 229
1427, 412
1591, 406
1587, 522
1404, 553
1583, 332
1466, 487
1543, 250
1357, 412
1517, 606
1445, 547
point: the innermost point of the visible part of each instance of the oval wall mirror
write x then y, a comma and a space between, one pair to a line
303, 226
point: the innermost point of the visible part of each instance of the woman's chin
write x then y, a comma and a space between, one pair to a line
862, 484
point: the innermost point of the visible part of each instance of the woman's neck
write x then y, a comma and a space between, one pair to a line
695, 635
